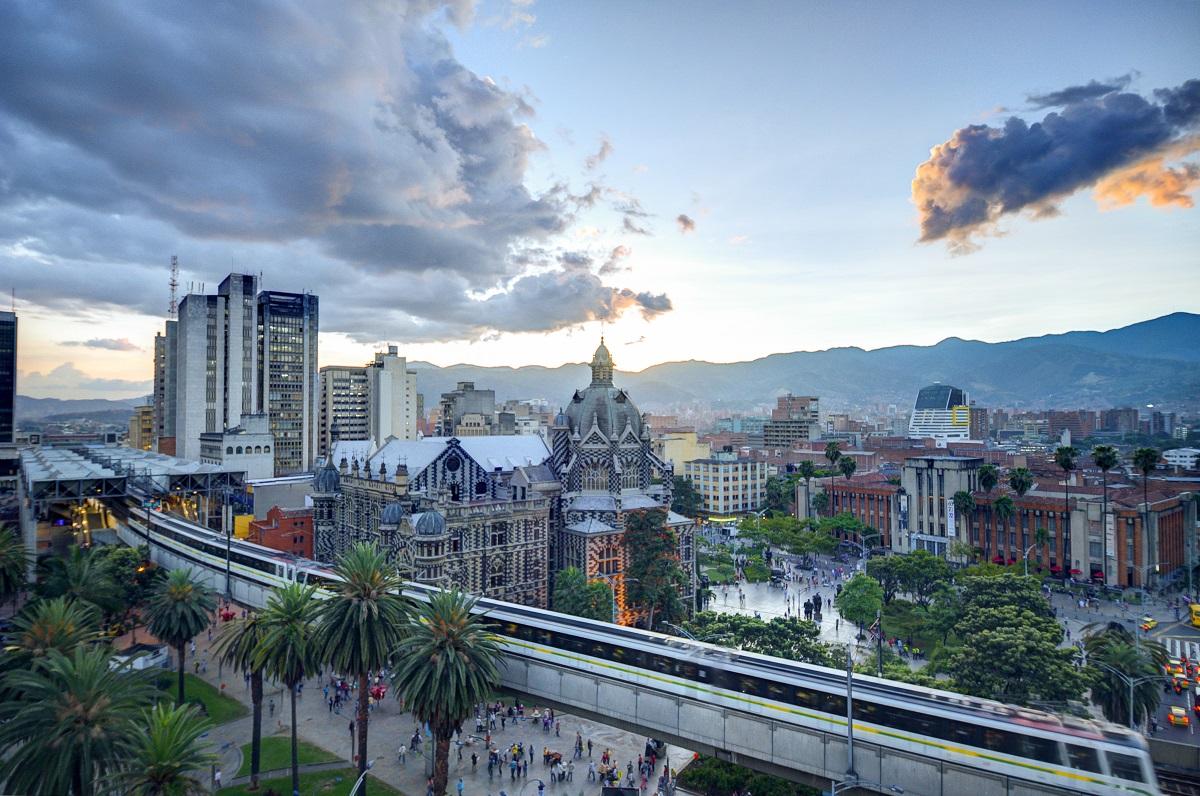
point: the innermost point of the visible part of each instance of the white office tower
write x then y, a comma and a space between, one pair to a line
941, 412
392, 398
216, 361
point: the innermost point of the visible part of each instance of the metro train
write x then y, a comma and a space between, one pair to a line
1024, 745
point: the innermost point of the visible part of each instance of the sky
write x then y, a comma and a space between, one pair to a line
502, 182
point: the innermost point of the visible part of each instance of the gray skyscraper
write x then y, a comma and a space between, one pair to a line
216, 377
164, 388
8, 376
288, 381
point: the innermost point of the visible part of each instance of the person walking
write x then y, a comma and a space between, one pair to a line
403, 755
459, 787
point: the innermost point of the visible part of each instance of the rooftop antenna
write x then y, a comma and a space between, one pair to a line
174, 283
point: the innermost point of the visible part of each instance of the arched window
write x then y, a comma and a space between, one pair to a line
258, 448
629, 477
239, 449
229, 449
266, 448
595, 477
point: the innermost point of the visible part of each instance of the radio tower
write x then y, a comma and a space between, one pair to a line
174, 283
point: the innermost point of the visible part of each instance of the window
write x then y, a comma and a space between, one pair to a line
1083, 757
1125, 766
229, 449
595, 477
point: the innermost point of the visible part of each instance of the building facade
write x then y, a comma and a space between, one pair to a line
247, 447
680, 446
287, 389
345, 404
728, 483
8, 377
941, 412
287, 530
141, 428
392, 398
794, 421
1183, 458
164, 388
464, 400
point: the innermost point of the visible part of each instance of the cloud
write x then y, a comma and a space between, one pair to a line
638, 341
686, 223
67, 378
376, 167
107, 343
613, 263
1118, 141
738, 240
630, 226
606, 149
1075, 94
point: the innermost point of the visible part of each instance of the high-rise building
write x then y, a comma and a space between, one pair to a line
1123, 421
8, 376
941, 412
392, 398
345, 407
793, 421
164, 389
465, 400
141, 428
1081, 423
288, 381
216, 373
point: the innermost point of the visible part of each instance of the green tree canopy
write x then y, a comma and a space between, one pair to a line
55, 625
921, 572
685, 499
860, 599
179, 609
779, 496
14, 563
989, 476
574, 594
887, 571
654, 577
793, 639
81, 575
167, 753
1114, 658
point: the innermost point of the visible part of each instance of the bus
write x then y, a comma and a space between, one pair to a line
1195, 610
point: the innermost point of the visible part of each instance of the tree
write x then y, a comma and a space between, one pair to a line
777, 495
847, 467
989, 476
807, 470
832, 452
166, 752
81, 575
887, 570
920, 573
289, 651
237, 644
685, 499
1004, 509
1064, 457
360, 625
654, 576
575, 595
179, 609
820, 502
1021, 481
447, 663
1145, 460
860, 599
69, 720
1008, 589
1112, 647
793, 639
14, 565
131, 572
1105, 458
964, 504
944, 610
46, 626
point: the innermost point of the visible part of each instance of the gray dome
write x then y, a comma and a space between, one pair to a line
392, 514
609, 407
327, 481
429, 523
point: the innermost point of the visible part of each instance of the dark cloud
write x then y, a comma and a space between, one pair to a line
107, 343
1118, 142
612, 264
1073, 94
686, 223
375, 165
591, 162
630, 226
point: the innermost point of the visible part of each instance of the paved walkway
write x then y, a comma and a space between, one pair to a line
390, 727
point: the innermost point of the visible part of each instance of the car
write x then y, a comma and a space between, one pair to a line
1149, 623
1180, 683
1178, 717
1174, 666
1196, 700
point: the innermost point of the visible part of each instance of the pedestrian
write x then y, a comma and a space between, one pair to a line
459, 786
217, 780
474, 760
557, 727
270, 708
589, 747
403, 754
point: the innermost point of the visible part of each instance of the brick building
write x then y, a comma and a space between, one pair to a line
286, 530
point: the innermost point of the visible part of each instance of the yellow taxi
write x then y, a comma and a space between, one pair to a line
1174, 666
1149, 623
1178, 717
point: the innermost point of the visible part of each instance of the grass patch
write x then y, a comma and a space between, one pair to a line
277, 754
326, 783
220, 708
714, 777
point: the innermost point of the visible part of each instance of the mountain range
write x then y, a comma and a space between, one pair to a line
1155, 361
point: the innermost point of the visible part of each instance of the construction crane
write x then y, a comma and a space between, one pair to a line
174, 283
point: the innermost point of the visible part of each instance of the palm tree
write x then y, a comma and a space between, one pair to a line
832, 453
1112, 645
1064, 457
1021, 481
166, 752
236, 645
288, 651
846, 465
56, 625
1105, 458
179, 609
807, 470
1004, 509
447, 663
361, 625
14, 565
1145, 460
69, 721
989, 476
81, 575
964, 504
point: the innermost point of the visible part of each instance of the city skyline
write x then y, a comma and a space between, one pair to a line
445, 185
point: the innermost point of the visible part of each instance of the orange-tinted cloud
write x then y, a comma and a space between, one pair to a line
1163, 185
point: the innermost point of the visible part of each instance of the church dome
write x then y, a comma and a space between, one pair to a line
429, 523
392, 514
326, 481
602, 404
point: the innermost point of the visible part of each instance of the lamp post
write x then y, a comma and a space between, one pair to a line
361, 777
612, 588
1025, 556
1132, 682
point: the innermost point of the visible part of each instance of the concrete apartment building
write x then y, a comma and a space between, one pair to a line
287, 389
794, 421
141, 428
465, 400
393, 402
164, 388
247, 446
344, 401
728, 483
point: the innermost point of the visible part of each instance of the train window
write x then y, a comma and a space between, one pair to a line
543, 637
777, 692
1083, 757
750, 685
599, 650
960, 732
685, 670
1042, 749
1125, 766
660, 663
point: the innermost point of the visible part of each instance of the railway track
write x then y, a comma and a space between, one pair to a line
1178, 783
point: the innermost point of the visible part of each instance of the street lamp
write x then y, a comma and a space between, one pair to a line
361, 778
1025, 556
1132, 682
612, 589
